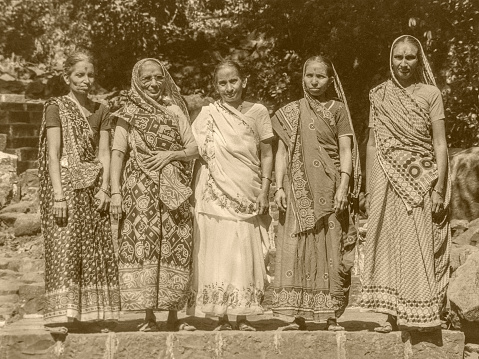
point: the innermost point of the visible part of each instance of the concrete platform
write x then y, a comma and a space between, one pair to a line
27, 339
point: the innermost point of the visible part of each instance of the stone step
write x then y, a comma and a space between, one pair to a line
27, 153
234, 344
26, 165
7, 274
22, 141
20, 129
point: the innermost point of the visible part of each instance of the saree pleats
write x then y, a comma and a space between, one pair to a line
406, 271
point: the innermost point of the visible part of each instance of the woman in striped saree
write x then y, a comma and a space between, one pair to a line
406, 269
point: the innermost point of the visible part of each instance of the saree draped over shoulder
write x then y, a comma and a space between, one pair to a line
315, 248
81, 275
229, 264
155, 231
406, 270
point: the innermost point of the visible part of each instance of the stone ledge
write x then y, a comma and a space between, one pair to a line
203, 344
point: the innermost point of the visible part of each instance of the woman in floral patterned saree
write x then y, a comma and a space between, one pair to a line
155, 233
317, 169
406, 270
231, 195
81, 276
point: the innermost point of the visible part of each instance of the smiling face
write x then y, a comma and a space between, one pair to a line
230, 85
316, 79
405, 62
152, 79
81, 78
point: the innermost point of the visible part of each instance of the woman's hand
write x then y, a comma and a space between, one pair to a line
159, 159
262, 203
437, 202
341, 199
280, 199
103, 201
60, 212
115, 205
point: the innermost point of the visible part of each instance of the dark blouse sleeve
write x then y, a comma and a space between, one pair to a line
105, 124
342, 122
52, 116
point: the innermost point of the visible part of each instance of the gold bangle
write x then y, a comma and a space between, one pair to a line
269, 179
439, 193
274, 194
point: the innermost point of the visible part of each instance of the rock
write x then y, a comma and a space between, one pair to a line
3, 141
8, 178
33, 277
28, 265
458, 226
33, 306
195, 102
9, 287
27, 225
31, 291
459, 255
8, 274
8, 299
20, 207
9, 218
29, 184
4, 263
463, 291
470, 237
465, 184
471, 351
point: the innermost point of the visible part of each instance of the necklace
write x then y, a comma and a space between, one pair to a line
240, 107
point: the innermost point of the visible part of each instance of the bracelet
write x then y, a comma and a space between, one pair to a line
186, 156
274, 194
60, 200
346, 173
113, 193
439, 193
107, 192
366, 194
269, 179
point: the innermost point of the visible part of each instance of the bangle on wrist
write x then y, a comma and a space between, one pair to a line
63, 199
278, 190
269, 179
366, 194
113, 193
346, 173
186, 156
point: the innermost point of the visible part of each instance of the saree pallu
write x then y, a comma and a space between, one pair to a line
155, 249
81, 275
406, 270
315, 248
229, 264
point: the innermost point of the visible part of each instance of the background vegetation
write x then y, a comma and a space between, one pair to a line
271, 38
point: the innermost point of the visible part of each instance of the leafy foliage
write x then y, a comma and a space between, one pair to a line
271, 38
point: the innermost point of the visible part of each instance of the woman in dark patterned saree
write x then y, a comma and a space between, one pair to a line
406, 269
81, 276
155, 233
317, 169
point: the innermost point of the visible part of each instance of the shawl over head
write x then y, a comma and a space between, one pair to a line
154, 127
314, 176
403, 131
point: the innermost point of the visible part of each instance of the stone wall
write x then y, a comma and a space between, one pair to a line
19, 129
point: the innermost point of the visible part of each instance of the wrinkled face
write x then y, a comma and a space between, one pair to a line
405, 61
229, 84
152, 79
81, 79
316, 79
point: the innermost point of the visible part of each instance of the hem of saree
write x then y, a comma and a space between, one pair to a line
373, 299
309, 315
318, 303
65, 316
220, 310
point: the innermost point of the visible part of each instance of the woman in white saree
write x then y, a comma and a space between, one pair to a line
231, 194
